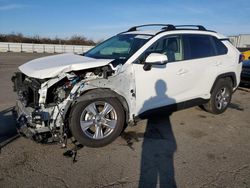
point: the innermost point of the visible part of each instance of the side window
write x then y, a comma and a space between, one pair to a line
198, 46
170, 46
221, 49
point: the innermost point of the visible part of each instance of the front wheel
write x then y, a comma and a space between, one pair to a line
220, 97
98, 122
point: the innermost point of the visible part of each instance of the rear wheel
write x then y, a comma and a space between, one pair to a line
220, 97
98, 122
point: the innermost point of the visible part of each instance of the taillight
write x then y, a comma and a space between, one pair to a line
241, 58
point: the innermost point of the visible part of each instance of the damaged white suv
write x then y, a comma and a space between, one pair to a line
93, 96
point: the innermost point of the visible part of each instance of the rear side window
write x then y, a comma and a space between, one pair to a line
198, 46
221, 49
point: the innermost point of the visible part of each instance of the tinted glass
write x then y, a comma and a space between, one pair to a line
220, 47
198, 46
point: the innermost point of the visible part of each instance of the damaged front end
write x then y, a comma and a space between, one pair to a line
43, 105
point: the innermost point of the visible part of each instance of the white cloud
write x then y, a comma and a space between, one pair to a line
12, 7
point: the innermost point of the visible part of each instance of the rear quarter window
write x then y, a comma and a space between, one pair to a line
221, 49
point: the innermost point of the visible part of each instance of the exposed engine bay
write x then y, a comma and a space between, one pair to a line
43, 105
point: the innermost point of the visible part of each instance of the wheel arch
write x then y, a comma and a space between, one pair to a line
230, 75
101, 93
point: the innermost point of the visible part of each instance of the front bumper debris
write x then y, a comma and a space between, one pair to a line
27, 119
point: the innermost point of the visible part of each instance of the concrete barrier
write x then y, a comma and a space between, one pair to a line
42, 48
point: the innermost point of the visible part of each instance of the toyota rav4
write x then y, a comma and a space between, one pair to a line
92, 97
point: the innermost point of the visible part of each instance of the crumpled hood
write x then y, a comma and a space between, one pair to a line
51, 66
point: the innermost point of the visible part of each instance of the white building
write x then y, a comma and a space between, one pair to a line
240, 41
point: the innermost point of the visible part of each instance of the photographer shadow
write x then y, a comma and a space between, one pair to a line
159, 145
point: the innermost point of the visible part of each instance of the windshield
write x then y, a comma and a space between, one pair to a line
119, 47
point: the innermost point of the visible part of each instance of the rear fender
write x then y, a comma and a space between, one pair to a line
230, 75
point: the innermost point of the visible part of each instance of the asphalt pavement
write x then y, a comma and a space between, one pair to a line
189, 148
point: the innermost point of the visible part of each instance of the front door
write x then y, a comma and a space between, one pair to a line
163, 84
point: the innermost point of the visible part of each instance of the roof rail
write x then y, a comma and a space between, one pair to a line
200, 27
165, 27
170, 27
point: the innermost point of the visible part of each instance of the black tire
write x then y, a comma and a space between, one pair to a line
213, 105
84, 137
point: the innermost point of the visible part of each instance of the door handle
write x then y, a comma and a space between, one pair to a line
181, 71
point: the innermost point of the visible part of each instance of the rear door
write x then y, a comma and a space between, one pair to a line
202, 64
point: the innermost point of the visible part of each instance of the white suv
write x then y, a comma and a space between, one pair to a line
93, 96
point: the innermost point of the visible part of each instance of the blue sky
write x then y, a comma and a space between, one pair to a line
99, 19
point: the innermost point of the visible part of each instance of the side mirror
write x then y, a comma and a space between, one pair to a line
156, 59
